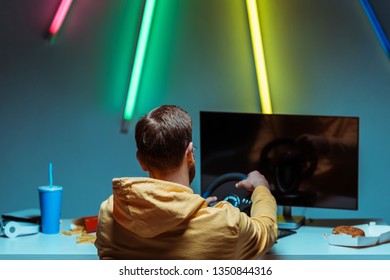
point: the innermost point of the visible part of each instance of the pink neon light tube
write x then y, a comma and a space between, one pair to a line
59, 17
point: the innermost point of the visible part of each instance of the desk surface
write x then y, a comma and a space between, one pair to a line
311, 243
308, 243
46, 246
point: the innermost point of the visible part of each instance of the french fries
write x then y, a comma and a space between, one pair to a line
86, 238
83, 237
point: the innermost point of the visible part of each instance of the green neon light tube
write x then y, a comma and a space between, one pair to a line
139, 59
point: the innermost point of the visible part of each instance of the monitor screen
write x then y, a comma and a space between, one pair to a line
309, 161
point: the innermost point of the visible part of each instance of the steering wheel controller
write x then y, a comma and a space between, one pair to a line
243, 203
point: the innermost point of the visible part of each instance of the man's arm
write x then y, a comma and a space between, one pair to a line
258, 232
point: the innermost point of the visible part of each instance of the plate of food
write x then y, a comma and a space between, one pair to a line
359, 235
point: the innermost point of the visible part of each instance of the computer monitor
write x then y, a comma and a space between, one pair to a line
308, 160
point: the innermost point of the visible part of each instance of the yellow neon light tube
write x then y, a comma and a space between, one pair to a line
258, 53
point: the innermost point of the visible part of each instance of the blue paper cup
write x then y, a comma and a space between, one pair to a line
50, 200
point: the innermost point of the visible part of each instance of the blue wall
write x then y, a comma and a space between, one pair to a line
61, 100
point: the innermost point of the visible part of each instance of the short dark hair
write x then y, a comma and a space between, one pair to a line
162, 137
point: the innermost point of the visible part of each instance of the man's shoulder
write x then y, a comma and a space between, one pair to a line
108, 204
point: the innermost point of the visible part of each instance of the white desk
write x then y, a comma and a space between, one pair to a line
46, 247
310, 243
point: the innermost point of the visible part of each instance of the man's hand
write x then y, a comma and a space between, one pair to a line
211, 199
254, 179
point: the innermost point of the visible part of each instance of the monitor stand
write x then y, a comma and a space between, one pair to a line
287, 221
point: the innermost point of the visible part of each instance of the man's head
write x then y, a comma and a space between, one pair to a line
163, 138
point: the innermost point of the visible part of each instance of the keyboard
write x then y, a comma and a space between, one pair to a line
285, 232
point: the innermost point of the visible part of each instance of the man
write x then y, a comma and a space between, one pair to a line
160, 217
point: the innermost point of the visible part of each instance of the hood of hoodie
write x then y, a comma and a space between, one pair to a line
149, 207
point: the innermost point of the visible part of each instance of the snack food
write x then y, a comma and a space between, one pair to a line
83, 236
76, 230
86, 238
349, 230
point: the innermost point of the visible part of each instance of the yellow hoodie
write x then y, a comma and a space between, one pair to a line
153, 219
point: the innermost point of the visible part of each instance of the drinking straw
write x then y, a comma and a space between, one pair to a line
51, 174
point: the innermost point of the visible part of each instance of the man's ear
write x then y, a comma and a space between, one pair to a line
190, 153
144, 167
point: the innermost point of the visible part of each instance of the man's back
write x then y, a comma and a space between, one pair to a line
154, 219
